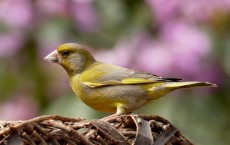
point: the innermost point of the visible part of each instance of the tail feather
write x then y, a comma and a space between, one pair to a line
167, 87
178, 85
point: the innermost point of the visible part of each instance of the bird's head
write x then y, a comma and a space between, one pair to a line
73, 57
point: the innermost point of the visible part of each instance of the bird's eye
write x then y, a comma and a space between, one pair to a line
65, 53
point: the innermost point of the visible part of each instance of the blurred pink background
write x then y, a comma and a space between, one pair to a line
184, 39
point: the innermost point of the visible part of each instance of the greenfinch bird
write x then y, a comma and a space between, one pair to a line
109, 88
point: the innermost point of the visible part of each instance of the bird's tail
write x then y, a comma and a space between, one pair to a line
178, 85
167, 87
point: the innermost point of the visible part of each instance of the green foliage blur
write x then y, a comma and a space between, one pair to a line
184, 39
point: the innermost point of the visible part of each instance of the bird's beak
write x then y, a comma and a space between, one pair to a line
53, 57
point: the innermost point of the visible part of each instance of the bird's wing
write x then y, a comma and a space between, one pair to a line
102, 74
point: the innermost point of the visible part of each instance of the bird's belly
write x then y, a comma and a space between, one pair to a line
107, 98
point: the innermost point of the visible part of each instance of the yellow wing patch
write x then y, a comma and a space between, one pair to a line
136, 81
93, 85
98, 84
126, 81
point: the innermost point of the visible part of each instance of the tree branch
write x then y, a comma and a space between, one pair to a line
112, 130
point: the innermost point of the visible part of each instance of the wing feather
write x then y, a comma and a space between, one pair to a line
101, 74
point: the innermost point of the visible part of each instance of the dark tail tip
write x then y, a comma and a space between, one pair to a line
206, 84
211, 84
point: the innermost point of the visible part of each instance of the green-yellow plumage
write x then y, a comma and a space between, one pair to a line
110, 88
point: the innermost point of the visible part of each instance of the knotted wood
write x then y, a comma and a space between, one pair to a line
112, 130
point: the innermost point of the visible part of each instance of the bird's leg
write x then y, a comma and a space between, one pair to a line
120, 110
